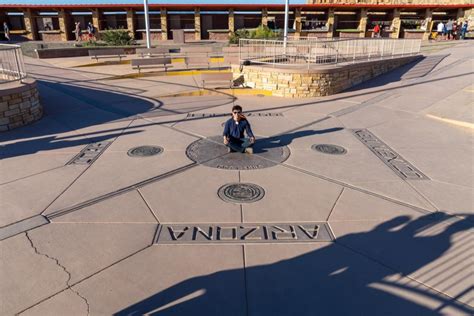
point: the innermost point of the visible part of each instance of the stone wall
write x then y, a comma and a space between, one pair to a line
19, 104
154, 36
321, 81
219, 36
51, 37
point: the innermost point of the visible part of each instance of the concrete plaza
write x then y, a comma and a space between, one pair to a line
350, 234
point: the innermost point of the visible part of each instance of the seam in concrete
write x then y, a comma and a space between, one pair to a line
148, 205
335, 203
126, 189
426, 199
245, 281
69, 287
31, 175
86, 278
87, 168
349, 186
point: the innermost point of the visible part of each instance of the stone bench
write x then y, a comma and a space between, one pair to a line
196, 61
156, 51
164, 62
226, 77
207, 51
107, 53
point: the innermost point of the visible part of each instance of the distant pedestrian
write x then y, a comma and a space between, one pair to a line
77, 31
6, 31
377, 30
440, 30
464, 30
449, 29
455, 30
91, 31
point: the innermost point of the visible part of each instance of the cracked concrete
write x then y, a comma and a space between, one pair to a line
69, 287
27, 278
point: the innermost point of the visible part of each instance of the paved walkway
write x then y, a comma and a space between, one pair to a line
382, 228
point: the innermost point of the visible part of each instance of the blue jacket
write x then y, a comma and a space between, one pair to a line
235, 130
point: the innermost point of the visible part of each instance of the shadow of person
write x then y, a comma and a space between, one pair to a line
264, 144
330, 279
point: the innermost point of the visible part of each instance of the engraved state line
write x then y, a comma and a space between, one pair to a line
239, 233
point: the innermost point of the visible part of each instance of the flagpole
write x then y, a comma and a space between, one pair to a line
285, 31
147, 24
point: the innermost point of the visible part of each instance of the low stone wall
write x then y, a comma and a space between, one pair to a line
219, 36
51, 37
318, 81
414, 35
154, 35
19, 104
78, 51
349, 34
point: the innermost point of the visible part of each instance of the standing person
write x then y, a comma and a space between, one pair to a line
440, 29
77, 31
234, 132
463, 30
455, 30
449, 28
377, 30
6, 31
90, 31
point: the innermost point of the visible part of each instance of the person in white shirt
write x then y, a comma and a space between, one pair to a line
440, 29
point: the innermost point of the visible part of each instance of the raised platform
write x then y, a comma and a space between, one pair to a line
19, 104
302, 82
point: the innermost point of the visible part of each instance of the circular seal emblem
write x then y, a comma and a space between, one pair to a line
241, 192
329, 149
211, 152
145, 151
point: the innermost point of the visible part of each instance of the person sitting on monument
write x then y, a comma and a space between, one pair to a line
234, 132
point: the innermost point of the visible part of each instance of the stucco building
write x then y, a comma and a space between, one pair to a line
319, 18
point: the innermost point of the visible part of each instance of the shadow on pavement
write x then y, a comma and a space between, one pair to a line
332, 280
68, 108
263, 144
415, 69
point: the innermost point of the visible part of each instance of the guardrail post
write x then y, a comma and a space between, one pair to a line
17, 65
354, 56
383, 47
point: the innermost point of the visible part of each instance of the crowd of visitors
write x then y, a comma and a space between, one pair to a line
90, 31
451, 30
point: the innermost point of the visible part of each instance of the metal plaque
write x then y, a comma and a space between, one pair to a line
89, 154
397, 163
329, 149
145, 151
211, 152
241, 233
248, 114
241, 192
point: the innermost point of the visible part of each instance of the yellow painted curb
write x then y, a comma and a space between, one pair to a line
104, 63
169, 73
454, 122
206, 92
193, 72
127, 62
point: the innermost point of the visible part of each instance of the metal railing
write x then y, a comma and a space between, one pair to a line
324, 51
12, 67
